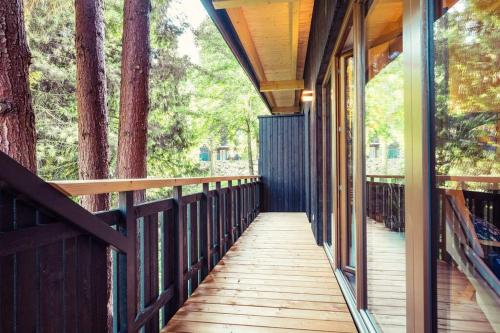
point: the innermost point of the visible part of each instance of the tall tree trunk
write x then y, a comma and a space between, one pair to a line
91, 98
17, 119
134, 101
249, 147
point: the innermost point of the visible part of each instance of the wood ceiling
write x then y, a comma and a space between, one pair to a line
274, 34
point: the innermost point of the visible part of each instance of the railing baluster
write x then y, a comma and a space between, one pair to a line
128, 304
193, 217
244, 199
238, 211
205, 231
169, 258
151, 267
181, 246
220, 213
229, 215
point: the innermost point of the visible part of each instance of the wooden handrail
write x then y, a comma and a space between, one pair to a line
386, 176
478, 179
87, 187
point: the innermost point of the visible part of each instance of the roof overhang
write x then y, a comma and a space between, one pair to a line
269, 38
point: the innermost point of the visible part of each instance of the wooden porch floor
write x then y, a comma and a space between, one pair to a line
274, 279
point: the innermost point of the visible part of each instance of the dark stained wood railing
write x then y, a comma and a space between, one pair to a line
55, 255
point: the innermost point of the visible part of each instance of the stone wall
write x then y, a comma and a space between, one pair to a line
230, 167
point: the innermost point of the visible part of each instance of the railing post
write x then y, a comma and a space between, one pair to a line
229, 213
205, 232
127, 266
180, 246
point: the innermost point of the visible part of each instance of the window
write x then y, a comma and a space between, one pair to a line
466, 106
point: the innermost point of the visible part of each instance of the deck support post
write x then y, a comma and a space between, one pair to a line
180, 247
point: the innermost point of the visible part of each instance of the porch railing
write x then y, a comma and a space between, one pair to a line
56, 259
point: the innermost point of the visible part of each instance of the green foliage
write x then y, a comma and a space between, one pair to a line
225, 99
384, 104
466, 87
53, 84
189, 104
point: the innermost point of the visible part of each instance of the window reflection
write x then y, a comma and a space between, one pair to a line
385, 225
467, 160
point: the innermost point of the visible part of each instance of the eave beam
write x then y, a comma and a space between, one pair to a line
281, 85
286, 110
225, 4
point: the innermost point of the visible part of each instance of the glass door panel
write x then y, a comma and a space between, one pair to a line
466, 108
345, 104
384, 163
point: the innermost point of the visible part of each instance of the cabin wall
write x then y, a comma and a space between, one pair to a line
281, 163
326, 21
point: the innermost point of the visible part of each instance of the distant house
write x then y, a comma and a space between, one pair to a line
393, 151
223, 153
374, 148
204, 153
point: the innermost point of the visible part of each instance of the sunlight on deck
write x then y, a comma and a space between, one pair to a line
274, 279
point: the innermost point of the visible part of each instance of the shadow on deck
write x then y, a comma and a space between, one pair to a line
273, 279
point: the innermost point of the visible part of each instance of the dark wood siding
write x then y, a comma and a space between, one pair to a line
282, 162
326, 22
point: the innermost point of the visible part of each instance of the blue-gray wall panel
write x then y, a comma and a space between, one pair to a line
282, 163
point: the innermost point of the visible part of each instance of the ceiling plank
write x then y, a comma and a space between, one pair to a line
281, 85
286, 109
241, 26
225, 4
294, 35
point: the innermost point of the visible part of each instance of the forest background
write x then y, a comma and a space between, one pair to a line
205, 104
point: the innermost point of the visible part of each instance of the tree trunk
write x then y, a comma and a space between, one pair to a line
134, 101
91, 98
17, 119
249, 147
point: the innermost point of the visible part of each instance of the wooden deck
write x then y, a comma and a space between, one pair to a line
274, 279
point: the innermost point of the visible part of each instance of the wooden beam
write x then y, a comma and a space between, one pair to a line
226, 4
286, 109
281, 85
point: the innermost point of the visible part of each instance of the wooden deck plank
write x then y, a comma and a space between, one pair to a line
274, 279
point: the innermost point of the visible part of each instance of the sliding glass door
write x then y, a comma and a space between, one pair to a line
466, 136
344, 74
384, 165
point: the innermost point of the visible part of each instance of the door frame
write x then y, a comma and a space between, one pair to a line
337, 120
